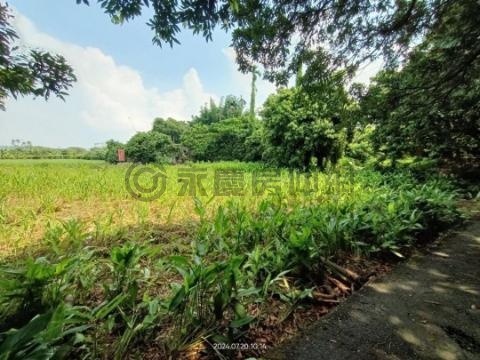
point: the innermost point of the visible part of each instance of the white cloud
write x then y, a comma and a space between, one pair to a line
108, 101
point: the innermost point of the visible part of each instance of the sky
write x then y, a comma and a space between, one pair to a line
123, 80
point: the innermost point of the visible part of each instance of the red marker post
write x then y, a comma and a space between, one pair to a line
121, 155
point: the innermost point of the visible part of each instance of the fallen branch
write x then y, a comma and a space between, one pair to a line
345, 274
343, 288
323, 295
324, 300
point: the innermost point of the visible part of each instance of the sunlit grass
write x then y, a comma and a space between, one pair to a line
35, 194
191, 267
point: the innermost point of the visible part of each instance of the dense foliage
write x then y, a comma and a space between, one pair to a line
111, 151
126, 281
35, 72
218, 132
145, 147
171, 127
224, 140
430, 108
427, 93
109, 292
229, 107
303, 129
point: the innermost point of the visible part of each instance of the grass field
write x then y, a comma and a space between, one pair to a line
104, 275
38, 194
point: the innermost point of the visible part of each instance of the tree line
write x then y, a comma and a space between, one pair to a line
423, 104
25, 150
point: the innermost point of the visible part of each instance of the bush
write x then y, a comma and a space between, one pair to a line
147, 147
223, 140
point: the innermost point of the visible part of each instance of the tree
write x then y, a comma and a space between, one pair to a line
276, 33
170, 127
147, 147
95, 153
111, 154
208, 114
224, 140
229, 107
430, 108
197, 140
254, 143
36, 73
305, 131
229, 139
360, 148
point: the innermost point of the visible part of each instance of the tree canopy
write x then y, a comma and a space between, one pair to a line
170, 127
277, 34
430, 107
35, 72
302, 130
230, 106
151, 146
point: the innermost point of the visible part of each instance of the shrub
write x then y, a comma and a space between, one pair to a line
147, 147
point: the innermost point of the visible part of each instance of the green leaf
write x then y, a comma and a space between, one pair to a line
107, 307
239, 310
241, 322
17, 338
177, 299
248, 292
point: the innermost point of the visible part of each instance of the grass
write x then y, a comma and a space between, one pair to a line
36, 195
97, 273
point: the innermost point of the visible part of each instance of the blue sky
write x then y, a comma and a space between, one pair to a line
130, 44
124, 81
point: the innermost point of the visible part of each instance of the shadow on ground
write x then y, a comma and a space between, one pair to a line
426, 308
